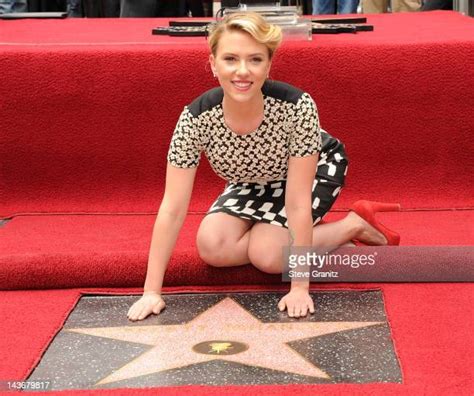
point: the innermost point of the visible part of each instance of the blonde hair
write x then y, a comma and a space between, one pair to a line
251, 23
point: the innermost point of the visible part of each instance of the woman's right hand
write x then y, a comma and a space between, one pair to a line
150, 302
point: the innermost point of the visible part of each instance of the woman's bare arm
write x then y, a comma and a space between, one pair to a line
168, 223
298, 201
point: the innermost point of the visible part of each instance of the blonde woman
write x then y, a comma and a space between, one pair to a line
283, 172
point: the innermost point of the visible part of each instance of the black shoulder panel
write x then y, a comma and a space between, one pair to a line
282, 91
206, 101
274, 89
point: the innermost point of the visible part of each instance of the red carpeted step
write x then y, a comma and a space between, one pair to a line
112, 251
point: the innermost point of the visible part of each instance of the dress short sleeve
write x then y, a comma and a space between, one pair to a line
305, 135
185, 147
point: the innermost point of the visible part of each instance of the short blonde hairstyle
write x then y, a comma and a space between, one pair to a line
251, 23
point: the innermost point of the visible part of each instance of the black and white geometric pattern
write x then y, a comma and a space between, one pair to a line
255, 165
265, 202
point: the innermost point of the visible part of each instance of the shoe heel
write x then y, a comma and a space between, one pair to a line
386, 207
373, 207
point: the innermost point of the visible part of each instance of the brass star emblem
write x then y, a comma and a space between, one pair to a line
226, 331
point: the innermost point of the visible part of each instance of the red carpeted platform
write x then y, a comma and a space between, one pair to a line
87, 109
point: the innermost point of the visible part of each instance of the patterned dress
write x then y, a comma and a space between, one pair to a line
255, 165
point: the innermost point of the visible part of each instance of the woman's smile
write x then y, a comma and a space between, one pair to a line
242, 85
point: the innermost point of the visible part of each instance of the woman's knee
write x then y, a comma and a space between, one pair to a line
266, 259
220, 250
219, 240
211, 248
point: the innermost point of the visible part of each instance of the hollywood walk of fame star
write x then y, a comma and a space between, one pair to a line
221, 328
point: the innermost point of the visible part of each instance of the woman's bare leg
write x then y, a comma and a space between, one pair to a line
267, 241
222, 240
225, 241
339, 233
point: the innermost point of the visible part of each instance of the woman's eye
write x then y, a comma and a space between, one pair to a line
229, 58
256, 60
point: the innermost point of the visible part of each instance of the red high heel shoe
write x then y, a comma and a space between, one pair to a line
368, 209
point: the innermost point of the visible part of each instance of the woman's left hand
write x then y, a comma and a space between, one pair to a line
298, 302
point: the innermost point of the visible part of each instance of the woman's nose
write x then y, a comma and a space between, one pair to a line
242, 68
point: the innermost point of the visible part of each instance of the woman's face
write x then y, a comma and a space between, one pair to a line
241, 64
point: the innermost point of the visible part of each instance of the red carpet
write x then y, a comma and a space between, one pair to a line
88, 107
43, 252
435, 359
99, 101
